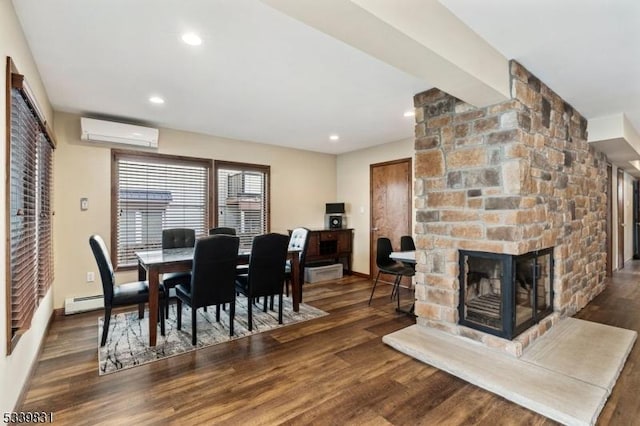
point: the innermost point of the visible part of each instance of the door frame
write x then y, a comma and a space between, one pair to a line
609, 224
620, 219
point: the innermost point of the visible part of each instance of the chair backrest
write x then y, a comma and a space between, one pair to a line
383, 250
222, 230
213, 275
101, 254
267, 264
178, 238
406, 243
299, 239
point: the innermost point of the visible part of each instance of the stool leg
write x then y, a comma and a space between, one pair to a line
374, 287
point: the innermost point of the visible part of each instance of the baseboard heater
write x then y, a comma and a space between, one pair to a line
83, 304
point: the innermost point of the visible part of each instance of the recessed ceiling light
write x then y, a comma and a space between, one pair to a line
192, 39
409, 113
334, 137
156, 100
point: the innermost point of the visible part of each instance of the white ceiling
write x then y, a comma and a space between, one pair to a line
262, 76
587, 51
259, 75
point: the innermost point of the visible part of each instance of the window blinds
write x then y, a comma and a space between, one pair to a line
153, 193
242, 199
30, 251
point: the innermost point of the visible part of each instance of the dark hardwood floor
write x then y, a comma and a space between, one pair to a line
331, 371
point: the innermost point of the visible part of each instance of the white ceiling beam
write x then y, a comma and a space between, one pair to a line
420, 37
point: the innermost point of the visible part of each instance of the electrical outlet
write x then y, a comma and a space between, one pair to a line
91, 277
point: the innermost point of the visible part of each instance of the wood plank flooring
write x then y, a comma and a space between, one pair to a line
331, 371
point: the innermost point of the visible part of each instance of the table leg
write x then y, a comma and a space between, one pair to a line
296, 285
154, 284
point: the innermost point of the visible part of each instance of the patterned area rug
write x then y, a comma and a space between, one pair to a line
128, 340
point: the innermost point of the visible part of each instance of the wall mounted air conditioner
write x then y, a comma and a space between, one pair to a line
93, 130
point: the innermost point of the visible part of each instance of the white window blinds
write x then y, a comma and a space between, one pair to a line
155, 192
243, 199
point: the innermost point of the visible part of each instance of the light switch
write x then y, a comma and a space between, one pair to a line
84, 204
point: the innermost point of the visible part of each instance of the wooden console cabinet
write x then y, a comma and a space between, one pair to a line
330, 245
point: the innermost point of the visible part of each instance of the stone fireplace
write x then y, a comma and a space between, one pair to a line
507, 180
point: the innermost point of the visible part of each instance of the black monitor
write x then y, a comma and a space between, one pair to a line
333, 208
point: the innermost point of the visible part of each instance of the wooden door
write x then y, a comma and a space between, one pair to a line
391, 203
621, 223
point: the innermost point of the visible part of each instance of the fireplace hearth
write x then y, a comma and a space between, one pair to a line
504, 294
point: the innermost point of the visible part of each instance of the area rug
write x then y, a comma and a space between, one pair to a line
566, 375
128, 339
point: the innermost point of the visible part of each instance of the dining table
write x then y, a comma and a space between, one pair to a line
153, 263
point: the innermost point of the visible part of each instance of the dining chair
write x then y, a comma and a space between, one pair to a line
176, 238
222, 230
133, 293
298, 240
407, 244
212, 279
266, 272
226, 230
386, 265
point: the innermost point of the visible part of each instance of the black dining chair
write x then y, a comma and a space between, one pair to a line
133, 293
212, 279
407, 244
386, 265
226, 230
298, 240
176, 238
222, 230
266, 272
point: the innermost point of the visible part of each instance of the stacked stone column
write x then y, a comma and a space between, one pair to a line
510, 178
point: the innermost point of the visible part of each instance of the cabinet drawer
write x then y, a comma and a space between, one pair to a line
328, 236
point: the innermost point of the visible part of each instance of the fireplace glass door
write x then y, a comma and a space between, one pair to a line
503, 294
533, 282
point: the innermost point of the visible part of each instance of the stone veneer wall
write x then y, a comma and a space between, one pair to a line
510, 178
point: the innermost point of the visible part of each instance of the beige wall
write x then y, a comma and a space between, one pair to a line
354, 190
14, 369
301, 183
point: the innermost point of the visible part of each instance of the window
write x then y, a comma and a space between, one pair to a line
242, 199
30, 166
153, 192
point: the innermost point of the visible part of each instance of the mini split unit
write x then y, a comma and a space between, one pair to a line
109, 131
